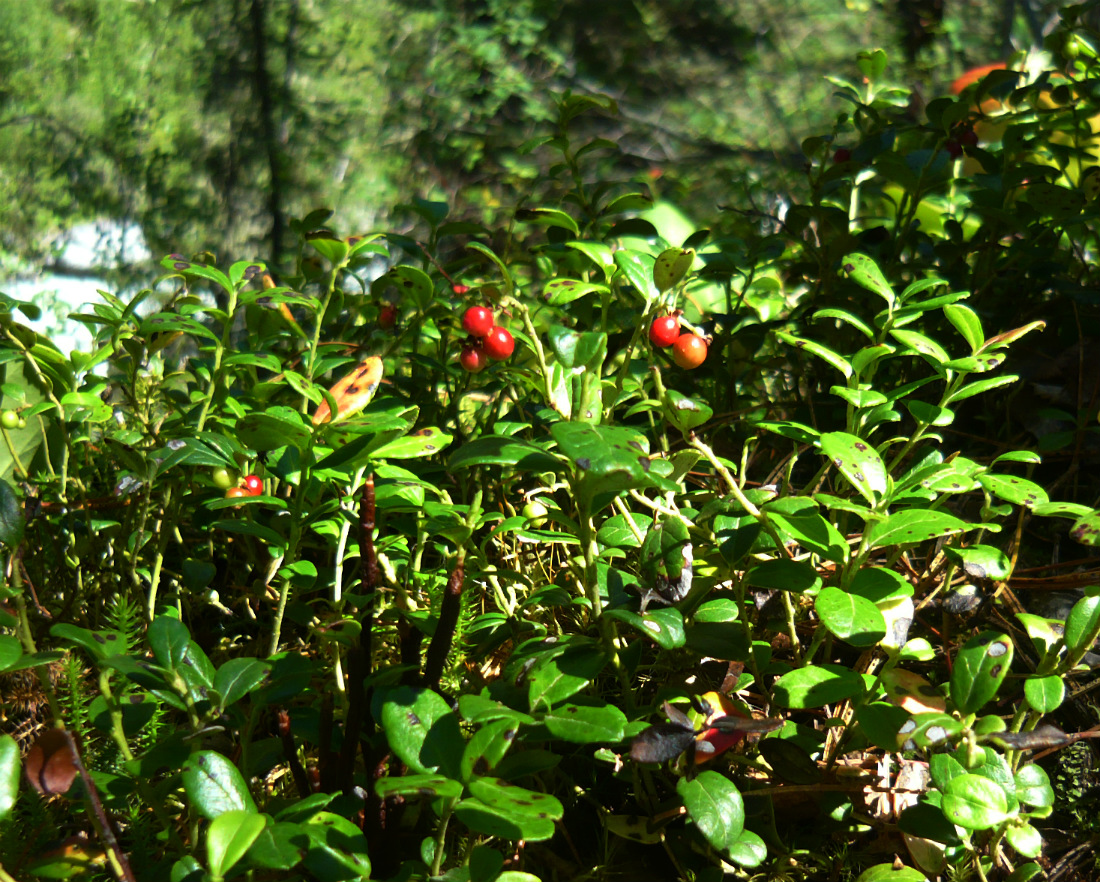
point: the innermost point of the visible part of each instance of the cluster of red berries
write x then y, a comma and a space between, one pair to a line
688, 350
236, 487
487, 341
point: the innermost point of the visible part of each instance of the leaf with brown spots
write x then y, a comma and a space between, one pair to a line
353, 392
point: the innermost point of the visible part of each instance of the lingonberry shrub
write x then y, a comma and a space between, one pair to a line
391, 641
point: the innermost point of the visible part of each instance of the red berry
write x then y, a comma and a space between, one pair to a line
460, 289
473, 359
843, 154
968, 138
689, 351
664, 330
387, 317
253, 485
236, 493
954, 148
477, 321
499, 344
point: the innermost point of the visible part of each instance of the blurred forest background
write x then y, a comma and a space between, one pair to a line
208, 124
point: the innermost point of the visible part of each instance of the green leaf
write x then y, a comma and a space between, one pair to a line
239, 676
823, 352
980, 386
558, 292
229, 837
498, 450
665, 627
338, 849
425, 786
671, 266
563, 676
1033, 787
1045, 694
170, 640
858, 461
1086, 530
980, 668
502, 823
1025, 839
638, 269
890, 873
1018, 490
981, 561
548, 217
922, 345
975, 803
582, 724
422, 730
500, 794
864, 271
1083, 624
214, 785
851, 618
967, 323
716, 807
685, 413
914, 525
607, 459
747, 850
410, 281
487, 747
784, 574
423, 442
848, 318
9, 775
816, 686
274, 428
11, 516
11, 650
812, 531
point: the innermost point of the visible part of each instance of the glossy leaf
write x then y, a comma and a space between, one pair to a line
9, 774
981, 561
563, 676
1083, 624
967, 323
816, 686
974, 802
914, 525
422, 730
238, 677
1025, 839
980, 667
716, 807
1086, 530
665, 627
425, 786
1033, 787
12, 520
671, 266
823, 352
1045, 694
214, 785
487, 747
891, 873
582, 724
783, 574
338, 849
1018, 490
862, 269
851, 618
229, 838
502, 822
